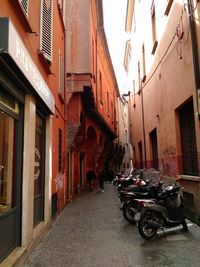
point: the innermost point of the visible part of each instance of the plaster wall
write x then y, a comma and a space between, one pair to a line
169, 80
78, 45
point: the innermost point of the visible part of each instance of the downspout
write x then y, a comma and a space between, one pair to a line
143, 128
97, 102
194, 51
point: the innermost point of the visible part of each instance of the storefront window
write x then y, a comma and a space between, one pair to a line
7, 160
39, 170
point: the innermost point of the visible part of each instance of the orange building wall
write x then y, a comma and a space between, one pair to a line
170, 87
32, 43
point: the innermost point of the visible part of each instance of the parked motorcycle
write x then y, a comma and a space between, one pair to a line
124, 180
131, 182
164, 212
118, 178
130, 205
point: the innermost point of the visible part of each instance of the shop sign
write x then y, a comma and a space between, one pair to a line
19, 53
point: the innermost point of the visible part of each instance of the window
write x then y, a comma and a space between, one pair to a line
134, 105
139, 84
153, 24
129, 15
39, 170
7, 162
112, 115
60, 74
22, 8
46, 28
24, 5
127, 56
60, 6
60, 150
143, 64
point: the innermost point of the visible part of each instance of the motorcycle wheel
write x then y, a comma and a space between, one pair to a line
146, 230
129, 213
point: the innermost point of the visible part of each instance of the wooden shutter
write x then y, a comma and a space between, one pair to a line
24, 5
46, 28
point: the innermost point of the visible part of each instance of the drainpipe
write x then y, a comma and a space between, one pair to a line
194, 51
143, 128
96, 71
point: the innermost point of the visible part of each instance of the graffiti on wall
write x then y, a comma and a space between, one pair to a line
169, 151
59, 182
169, 162
166, 169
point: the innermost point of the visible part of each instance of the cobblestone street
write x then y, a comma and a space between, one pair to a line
91, 232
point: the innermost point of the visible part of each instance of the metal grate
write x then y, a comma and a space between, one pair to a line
188, 140
24, 5
46, 28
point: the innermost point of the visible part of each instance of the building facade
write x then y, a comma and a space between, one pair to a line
122, 160
58, 113
91, 94
164, 100
32, 133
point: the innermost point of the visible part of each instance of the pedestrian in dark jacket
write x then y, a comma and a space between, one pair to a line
91, 177
111, 175
101, 180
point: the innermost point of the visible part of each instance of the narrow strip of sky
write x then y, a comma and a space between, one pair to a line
114, 12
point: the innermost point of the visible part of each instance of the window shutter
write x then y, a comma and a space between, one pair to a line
24, 5
46, 28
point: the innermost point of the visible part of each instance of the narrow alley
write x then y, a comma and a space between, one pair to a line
91, 232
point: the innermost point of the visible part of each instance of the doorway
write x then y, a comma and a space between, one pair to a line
154, 148
11, 140
82, 169
188, 140
140, 154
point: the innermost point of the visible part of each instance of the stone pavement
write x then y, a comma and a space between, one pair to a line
91, 232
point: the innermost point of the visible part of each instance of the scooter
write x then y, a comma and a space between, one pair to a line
122, 181
164, 212
130, 204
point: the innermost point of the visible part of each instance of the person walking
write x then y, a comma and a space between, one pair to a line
111, 175
101, 180
91, 177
